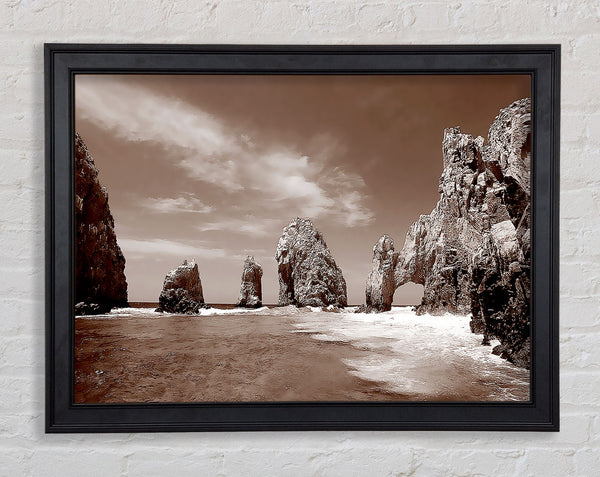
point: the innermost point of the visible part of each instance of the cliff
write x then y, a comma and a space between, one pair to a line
99, 263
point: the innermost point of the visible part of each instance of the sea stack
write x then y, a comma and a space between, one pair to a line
99, 263
308, 274
381, 282
472, 253
251, 287
182, 290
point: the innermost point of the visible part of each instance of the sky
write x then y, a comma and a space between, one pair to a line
213, 167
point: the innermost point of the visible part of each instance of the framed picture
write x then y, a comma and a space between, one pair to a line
301, 237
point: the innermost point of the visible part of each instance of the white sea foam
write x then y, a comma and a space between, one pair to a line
151, 313
134, 311
125, 313
232, 311
423, 356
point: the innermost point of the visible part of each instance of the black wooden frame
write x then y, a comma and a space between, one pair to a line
63, 61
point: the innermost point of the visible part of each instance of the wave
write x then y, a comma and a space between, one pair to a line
422, 356
151, 313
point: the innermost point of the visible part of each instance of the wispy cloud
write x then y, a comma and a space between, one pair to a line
251, 226
281, 177
133, 247
183, 203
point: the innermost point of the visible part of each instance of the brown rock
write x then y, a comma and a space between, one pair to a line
251, 288
308, 274
182, 290
365, 309
381, 282
439, 246
501, 270
99, 263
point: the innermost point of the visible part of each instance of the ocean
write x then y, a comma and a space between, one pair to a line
425, 358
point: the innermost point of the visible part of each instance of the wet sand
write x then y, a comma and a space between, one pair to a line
251, 357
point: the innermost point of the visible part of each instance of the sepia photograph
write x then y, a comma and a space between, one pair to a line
299, 238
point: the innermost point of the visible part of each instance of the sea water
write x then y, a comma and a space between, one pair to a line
424, 357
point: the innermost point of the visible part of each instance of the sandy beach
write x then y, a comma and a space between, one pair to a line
136, 355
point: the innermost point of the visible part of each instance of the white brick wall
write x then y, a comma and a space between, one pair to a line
27, 24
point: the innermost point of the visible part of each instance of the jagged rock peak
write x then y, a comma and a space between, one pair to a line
381, 282
509, 144
182, 290
308, 274
100, 282
251, 287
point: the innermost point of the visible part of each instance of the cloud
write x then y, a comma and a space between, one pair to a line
350, 208
140, 247
248, 225
183, 203
280, 177
353, 212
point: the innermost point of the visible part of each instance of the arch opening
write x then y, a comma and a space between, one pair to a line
408, 294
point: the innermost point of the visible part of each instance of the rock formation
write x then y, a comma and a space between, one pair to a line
439, 246
472, 253
501, 278
99, 263
251, 288
381, 282
308, 274
182, 290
